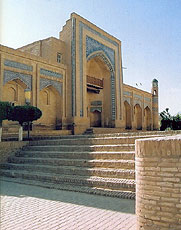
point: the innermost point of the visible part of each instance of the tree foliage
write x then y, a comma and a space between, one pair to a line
168, 121
5, 110
25, 113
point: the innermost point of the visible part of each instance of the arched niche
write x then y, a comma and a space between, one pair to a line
50, 103
127, 110
14, 92
101, 87
147, 114
138, 116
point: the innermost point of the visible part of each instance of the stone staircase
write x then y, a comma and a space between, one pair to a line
100, 164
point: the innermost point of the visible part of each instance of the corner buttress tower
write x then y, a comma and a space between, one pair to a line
155, 113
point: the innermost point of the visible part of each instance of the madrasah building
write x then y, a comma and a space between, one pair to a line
76, 80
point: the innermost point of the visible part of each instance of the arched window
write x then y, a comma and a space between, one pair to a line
46, 97
12, 94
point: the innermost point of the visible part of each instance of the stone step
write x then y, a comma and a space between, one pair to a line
120, 164
69, 170
57, 136
104, 130
124, 155
91, 181
81, 148
91, 141
75, 188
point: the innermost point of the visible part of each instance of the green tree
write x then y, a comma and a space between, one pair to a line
5, 110
176, 123
168, 121
24, 114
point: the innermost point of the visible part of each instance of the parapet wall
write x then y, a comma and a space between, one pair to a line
158, 183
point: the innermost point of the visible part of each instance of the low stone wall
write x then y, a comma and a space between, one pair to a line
158, 183
9, 148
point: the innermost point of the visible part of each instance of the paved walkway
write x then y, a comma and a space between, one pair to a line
25, 207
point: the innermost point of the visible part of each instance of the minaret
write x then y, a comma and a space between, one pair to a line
155, 114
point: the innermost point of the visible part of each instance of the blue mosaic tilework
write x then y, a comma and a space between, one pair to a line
137, 102
138, 96
73, 62
96, 103
146, 105
106, 61
50, 73
155, 99
96, 46
99, 34
127, 93
93, 109
113, 96
155, 110
105, 49
93, 45
147, 99
155, 83
47, 82
103, 57
17, 65
127, 99
11, 75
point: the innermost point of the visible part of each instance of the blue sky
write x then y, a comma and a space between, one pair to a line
150, 31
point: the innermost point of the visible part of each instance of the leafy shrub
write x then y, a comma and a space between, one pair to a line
25, 114
169, 122
5, 110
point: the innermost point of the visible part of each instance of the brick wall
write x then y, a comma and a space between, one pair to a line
9, 148
158, 183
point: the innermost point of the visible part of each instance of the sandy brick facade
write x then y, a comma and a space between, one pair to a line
158, 183
77, 77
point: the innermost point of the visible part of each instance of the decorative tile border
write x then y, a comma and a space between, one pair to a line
147, 99
112, 82
11, 75
81, 26
155, 100
96, 103
73, 62
137, 102
92, 46
17, 65
99, 34
128, 100
50, 73
103, 57
147, 105
47, 82
113, 107
127, 93
155, 110
93, 109
138, 96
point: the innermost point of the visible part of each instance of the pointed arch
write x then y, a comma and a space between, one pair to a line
147, 113
50, 103
138, 116
11, 75
14, 91
105, 59
127, 109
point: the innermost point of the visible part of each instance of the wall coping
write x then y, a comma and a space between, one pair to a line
159, 146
